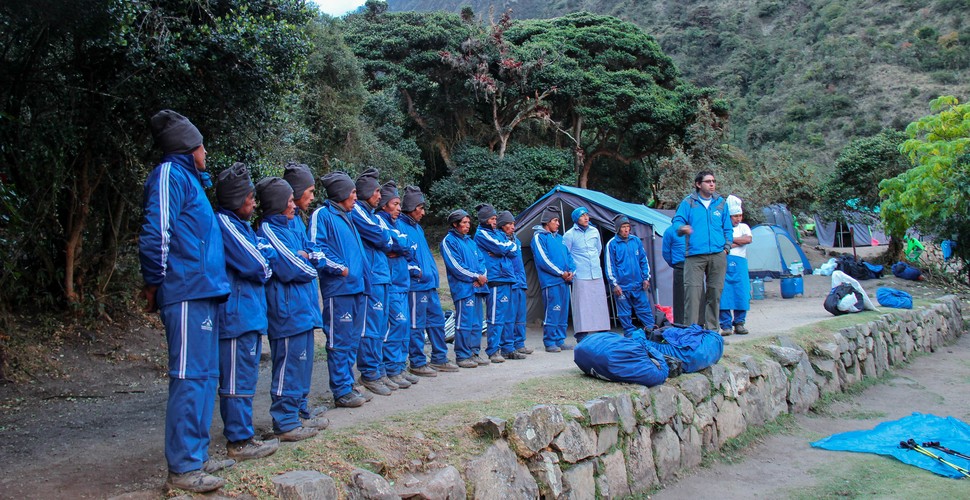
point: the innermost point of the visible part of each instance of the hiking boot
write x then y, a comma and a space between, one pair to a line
251, 449
525, 350
350, 400
444, 367
195, 481
320, 423
399, 381
409, 377
297, 434
211, 466
496, 358
740, 329
314, 412
468, 363
567, 347
514, 355
359, 389
726, 331
481, 360
392, 385
552, 348
423, 371
376, 387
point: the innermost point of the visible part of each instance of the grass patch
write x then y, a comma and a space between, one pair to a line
857, 414
871, 476
733, 449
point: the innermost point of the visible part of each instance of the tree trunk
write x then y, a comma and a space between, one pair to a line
578, 151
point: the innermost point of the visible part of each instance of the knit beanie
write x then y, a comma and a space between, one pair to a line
234, 186
456, 216
174, 133
551, 212
273, 194
367, 182
504, 217
299, 177
619, 220
388, 193
579, 213
339, 185
411, 199
485, 212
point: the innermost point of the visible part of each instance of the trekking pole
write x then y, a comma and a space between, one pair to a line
944, 449
912, 445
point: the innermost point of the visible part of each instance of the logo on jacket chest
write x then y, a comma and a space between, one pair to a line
207, 324
377, 306
716, 213
303, 355
346, 317
424, 299
470, 302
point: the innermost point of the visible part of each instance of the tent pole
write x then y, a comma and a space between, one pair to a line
852, 238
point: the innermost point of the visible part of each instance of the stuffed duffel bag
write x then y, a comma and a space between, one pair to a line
890, 297
906, 271
696, 347
612, 357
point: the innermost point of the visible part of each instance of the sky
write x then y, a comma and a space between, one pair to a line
338, 7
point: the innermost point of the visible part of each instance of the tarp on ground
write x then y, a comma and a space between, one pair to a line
645, 222
866, 230
884, 439
772, 251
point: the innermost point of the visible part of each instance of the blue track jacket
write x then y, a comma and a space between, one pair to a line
291, 294
673, 247
713, 231
337, 246
499, 253
551, 257
378, 242
464, 265
403, 266
247, 265
521, 282
626, 263
180, 245
428, 280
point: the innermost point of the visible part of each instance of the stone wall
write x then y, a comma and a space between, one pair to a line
626, 444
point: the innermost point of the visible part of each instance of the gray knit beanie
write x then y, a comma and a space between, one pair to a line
411, 199
504, 217
234, 186
339, 185
174, 133
367, 182
388, 193
273, 194
299, 177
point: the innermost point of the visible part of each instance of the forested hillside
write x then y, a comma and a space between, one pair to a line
801, 78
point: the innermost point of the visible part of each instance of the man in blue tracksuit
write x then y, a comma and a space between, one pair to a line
506, 222
378, 243
242, 318
292, 311
300, 178
702, 218
426, 313
402, 266
499, 253
672, 250
555, 268
184, 268
628, 273
344, 281
467, 279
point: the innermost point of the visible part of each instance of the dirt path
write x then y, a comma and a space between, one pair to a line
99, 431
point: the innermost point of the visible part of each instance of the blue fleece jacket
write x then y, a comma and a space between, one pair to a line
626, 263
291, 294
402, 264
180, 245
551, 257
378, 242
498, 252
712, 228
673, 247
337, 246
464, 264
518, 265
247, 265
428, 279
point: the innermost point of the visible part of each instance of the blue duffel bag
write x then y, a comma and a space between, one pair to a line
890, 297
696, 347
612, 357
906, 271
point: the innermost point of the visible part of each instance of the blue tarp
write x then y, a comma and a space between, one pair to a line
884, 440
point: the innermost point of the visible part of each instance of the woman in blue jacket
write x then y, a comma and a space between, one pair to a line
292, 305
555, 268
467, 279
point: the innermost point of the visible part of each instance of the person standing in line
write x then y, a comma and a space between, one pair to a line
629, 274
184, 267
402, 266
300, 178
702, 218
736, 297
672, 250
590, 311
426, 313
292, 311
555, 268
378, 243
243, 317
517, 319
499, 253
467, 279
343, 284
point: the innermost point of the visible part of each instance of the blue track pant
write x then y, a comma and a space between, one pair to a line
370, 354
426, 314
556, 299
398, 334
292, 359
238, 372
343, 321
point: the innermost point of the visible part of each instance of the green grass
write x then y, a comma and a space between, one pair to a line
873, 476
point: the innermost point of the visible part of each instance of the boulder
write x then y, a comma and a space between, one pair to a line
498, 475
304, 485
365, 485
531, 431
575, 442
578, 482
643, 475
